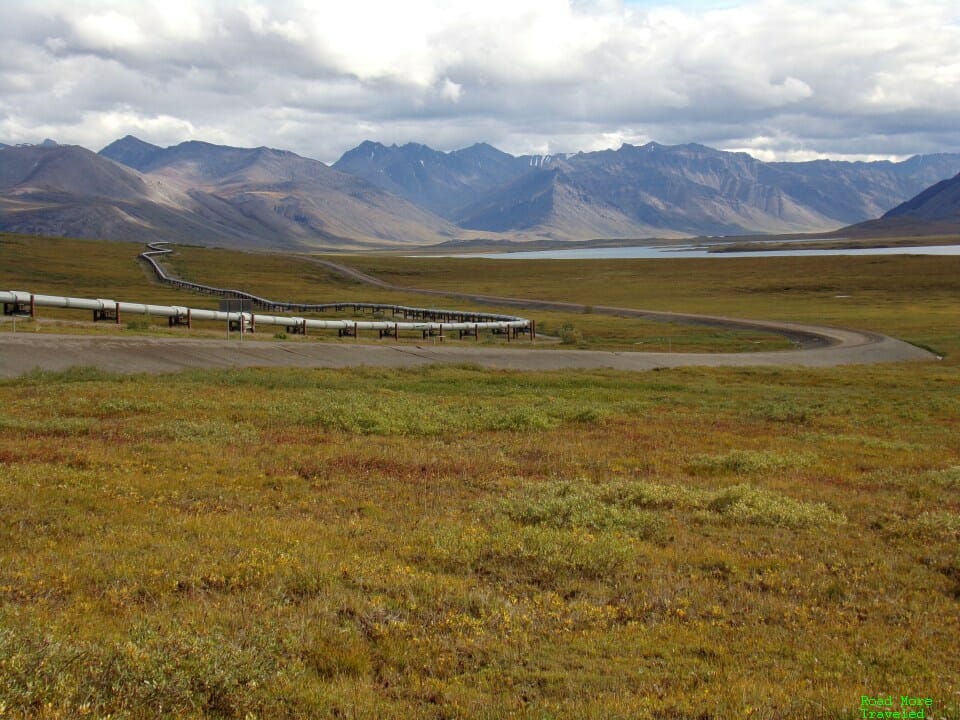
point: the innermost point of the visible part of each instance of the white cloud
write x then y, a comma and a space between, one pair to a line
776, 77
109, 30
122, 122
451, 90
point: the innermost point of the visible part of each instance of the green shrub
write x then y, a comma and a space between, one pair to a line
210, 431
77, 373
629, 507
650, 495
414, 415
934, 524
334, 652
744, 462
543, 554
748, 504
569, 335
151, 674
947, 478
565, 505
783, 411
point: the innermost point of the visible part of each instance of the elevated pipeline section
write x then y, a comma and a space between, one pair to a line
447, 317
16, 302
428, 321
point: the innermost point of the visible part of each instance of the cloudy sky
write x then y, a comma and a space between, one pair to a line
781, 79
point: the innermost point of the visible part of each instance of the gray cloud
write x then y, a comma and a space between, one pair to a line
776, 78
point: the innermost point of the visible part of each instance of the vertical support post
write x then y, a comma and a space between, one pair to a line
533, 330
189, 320
304, 326
253, 322
116, 312
476, 332
354, 330
33, 305
509, 332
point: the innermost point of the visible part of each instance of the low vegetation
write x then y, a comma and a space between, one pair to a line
453, 542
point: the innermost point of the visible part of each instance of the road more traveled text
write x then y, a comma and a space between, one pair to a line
875, 708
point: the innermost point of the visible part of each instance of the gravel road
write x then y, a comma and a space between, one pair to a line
23, 352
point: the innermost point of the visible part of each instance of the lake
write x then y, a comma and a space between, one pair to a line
677, 251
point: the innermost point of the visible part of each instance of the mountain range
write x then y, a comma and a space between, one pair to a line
377, 195
202, 193
651, 190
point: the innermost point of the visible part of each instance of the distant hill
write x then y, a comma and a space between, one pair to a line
68, 190
203, 193
46, 143
291, 196
853, 191
440, 182
939, 203
660, 190
36, 171
934, 211
641, 191
554, 204
132, 152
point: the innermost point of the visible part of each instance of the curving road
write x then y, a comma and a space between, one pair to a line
818, 347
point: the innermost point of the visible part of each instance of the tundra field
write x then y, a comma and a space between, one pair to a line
453, 542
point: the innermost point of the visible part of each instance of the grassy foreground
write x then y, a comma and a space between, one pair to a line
462, 543
459, 543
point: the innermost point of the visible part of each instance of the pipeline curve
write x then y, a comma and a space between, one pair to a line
19, 303
431, 322
157, 249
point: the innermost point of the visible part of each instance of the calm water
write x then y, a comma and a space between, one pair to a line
700, 252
